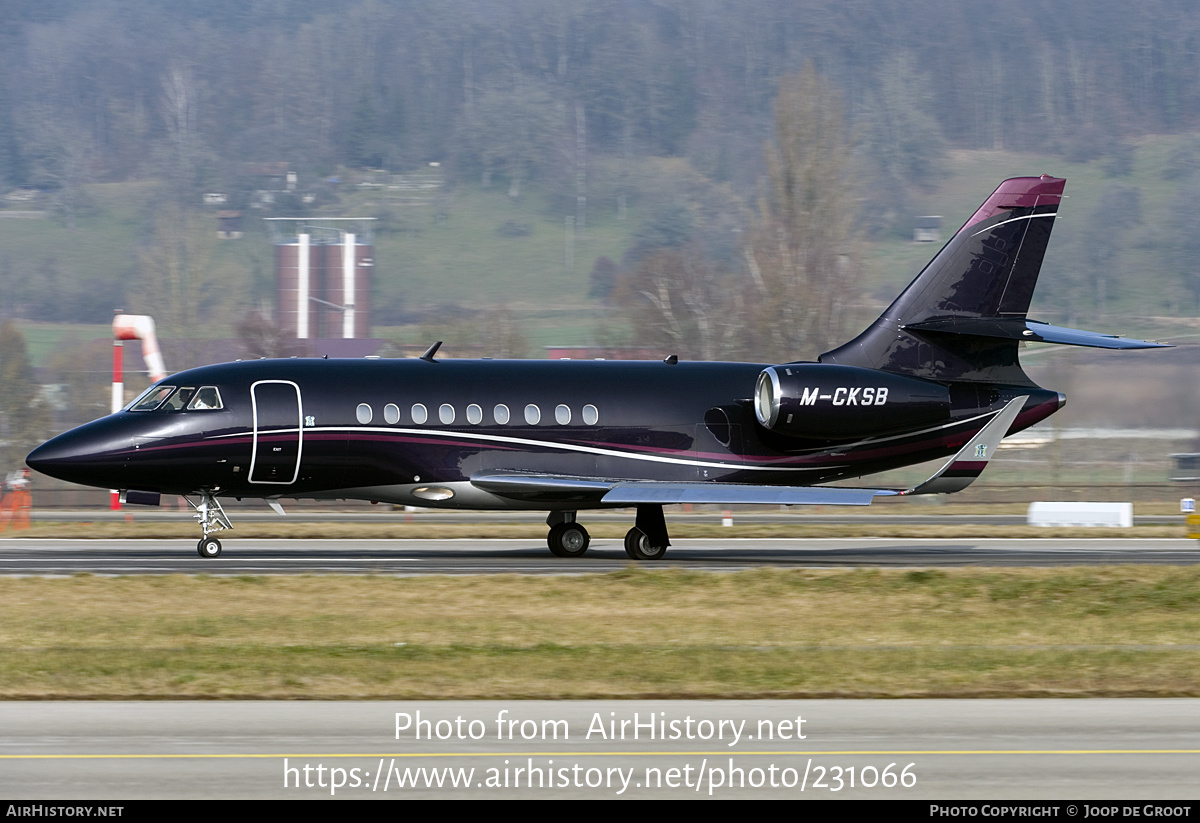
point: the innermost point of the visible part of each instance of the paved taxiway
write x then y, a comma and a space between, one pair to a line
252, 556
1081, 750
714, 517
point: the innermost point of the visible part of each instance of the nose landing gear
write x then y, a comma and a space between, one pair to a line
208, 547
211, 518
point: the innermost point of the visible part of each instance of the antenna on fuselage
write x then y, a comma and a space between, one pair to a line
431, 351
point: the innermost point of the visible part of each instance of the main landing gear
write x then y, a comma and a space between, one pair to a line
212, 518
638, 547
647, 540
566, 538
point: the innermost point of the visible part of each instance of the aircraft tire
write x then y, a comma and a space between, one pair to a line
568, 540
208, 548
637, 546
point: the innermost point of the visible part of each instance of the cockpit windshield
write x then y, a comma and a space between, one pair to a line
172, 398
152, 398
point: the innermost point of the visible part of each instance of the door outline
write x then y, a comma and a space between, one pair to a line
299, 432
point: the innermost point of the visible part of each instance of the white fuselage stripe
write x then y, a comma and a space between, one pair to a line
651, 458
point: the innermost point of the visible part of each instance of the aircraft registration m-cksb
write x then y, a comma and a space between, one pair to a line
936, 375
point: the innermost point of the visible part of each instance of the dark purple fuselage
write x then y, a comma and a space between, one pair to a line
355, 428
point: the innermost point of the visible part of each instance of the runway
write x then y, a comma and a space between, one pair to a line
527, 556
941, 750
254, 513
995, 750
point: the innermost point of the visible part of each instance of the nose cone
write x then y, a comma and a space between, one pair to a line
92, 455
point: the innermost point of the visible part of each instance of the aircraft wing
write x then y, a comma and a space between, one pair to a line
955, 475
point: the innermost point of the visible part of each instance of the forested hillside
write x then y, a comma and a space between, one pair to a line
652, 129
108, 91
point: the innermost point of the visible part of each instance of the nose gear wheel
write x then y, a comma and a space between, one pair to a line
212, 518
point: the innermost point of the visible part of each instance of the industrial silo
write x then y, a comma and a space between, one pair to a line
323, 275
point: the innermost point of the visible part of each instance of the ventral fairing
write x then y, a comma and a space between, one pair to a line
936, 376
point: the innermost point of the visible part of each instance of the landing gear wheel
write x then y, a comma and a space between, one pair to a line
637, 546
568, 540
209, 548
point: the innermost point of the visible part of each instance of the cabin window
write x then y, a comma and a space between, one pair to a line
152, 399
474, 415
562, 415
207, 397
532, 414
391, 413
590, 415
500, 413
419, 413
363, 413
446, 413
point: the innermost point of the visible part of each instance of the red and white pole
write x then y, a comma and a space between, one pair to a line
118, 399
141, 327
132, 327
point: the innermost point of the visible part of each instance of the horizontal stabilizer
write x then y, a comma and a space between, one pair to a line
634, 493
962, 469
1020, 328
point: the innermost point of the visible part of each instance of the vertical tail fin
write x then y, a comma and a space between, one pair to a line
983, 277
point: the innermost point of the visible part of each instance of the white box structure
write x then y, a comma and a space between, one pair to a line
1104, 515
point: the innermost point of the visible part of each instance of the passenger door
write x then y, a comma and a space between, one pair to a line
278, 432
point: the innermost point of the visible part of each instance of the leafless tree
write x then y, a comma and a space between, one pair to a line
801, 261
682, 302
183, 281
262, 338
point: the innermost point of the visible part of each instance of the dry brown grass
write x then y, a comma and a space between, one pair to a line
1119, 630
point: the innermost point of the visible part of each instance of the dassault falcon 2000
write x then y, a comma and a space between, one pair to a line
937, 375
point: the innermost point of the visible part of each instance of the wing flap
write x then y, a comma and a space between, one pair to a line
635, 492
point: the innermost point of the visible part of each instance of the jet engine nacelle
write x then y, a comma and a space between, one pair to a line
830, 402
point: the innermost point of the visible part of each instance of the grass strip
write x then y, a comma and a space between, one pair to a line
1128, 630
